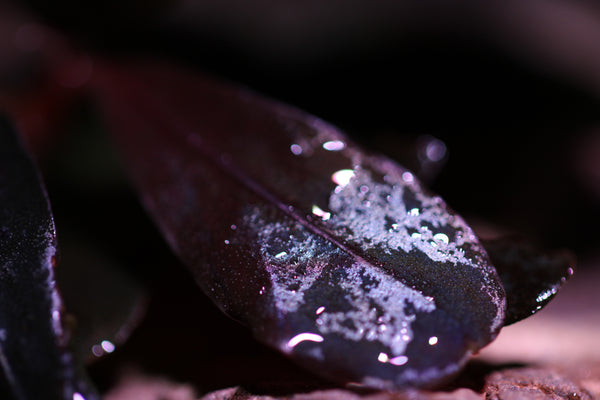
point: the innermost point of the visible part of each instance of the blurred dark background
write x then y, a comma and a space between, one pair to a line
512, 89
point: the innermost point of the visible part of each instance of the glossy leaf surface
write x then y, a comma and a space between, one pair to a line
335, 257
34, 359
531, 277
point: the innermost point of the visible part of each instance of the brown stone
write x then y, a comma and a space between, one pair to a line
533, 384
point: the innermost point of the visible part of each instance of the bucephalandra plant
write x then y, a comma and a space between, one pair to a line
338, 258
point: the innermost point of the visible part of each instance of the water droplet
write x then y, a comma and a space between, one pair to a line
384, 358
320, 213
442, 237
97, 350
342, 177
107, 346
435, 150
296, 149
433, 340
334, 145
408, 177
400, 360
303, 337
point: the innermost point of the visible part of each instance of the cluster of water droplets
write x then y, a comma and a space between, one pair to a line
391, 225
378, 309
376, 303
294, 261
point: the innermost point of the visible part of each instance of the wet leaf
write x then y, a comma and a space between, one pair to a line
531, 277
33, 342
338, 258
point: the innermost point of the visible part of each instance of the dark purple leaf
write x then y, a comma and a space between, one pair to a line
337, 258
33, 342
106, 302
531, 277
